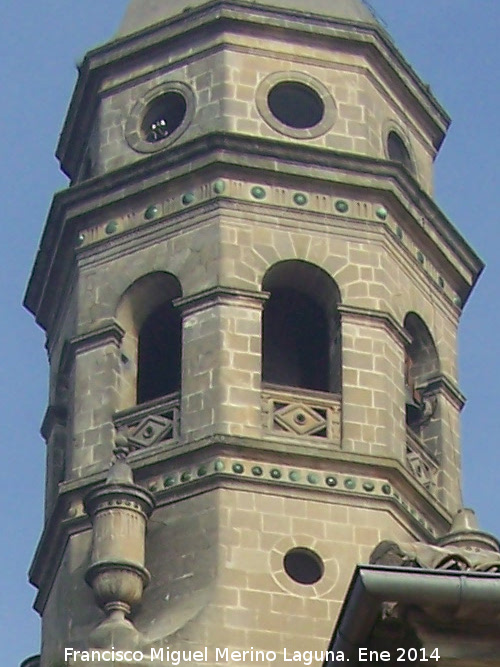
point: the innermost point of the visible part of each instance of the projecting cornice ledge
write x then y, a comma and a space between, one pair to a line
378, 316
443, 384
225, 296
220, 153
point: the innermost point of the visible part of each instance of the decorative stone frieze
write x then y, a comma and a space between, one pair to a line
157, 423
421, 463
302, 414
183, 479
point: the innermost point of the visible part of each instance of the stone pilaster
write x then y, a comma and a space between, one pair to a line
221, 363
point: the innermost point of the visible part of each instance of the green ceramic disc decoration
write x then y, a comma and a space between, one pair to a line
257, 471
202, 471
381, 212
238, 468
111, 227
219, 466
219, 187
341, 206
168, 481
294, 475
312, 478
420, 257
151, 212
457, 301
300, 199
441, 282
399, 232
80, 239
275, 473
368, 486
331, 481
350, 483
188, 198
258, 192
186, 476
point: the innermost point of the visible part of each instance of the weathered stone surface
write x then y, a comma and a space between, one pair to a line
186, 242
143, 13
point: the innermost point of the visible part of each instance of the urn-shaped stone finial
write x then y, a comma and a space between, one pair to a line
119, 510
465, 533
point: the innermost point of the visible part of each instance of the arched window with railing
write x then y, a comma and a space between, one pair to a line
421, 366
301, 350
152, 345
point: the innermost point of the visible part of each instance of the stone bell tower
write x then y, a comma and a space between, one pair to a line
250, 293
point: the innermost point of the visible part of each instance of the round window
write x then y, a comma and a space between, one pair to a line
303, 566
160, 117
163, 116
296, 105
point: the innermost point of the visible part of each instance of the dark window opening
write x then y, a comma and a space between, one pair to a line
159, 354
397, 150
163, 116
296, 105
413, 398
295, 341
303, 566
421, 365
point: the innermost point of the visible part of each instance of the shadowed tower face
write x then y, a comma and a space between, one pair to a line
249, 288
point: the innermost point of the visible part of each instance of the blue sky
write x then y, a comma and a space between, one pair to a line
451, 43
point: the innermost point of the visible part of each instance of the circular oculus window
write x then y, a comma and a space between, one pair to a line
303, 566
163, 116
160, 117
296, 105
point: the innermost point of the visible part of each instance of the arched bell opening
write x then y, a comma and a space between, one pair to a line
152, 346
159, 354
398, 151
421, 365
301, 342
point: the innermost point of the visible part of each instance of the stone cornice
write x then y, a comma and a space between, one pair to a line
105, 333
55, 415
51, 548
438, 384
380, 316
224, 15
442, 384
226, 296
395, 486
220, 152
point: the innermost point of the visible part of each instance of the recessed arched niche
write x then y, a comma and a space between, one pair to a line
152, 345
301, 340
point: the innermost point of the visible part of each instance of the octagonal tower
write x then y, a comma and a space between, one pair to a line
249, 284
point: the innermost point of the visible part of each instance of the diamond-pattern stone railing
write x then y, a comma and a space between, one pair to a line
152, 423
421, 463
299, 412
